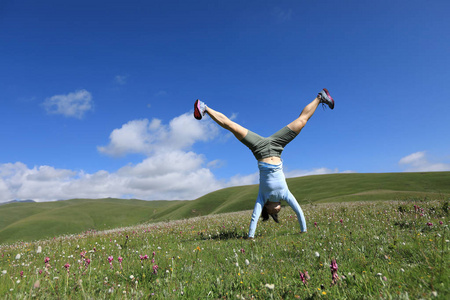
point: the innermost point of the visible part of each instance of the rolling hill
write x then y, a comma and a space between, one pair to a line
31, 221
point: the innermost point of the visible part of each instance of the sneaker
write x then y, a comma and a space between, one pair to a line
199, 109
325, 98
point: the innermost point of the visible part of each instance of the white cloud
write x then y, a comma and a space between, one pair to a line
165, 176
121, 79
238, 180
418, 162
170, 170
147, 137
282, 15
160, 94
318, 171
71, 105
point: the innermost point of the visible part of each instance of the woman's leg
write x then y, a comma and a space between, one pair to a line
298, 124
238, 131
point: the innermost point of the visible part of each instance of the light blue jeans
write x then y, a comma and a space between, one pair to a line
273, 187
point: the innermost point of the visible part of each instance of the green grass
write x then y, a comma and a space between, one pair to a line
33, 221
383, 249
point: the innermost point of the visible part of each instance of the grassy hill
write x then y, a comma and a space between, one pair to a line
31, 221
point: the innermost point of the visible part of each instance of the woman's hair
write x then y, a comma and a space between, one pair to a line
265, 215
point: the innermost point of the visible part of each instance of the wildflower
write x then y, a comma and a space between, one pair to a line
342, 221
17, 256
384, 278
270, 286
304, 277
242, 250
440, 222
39, 249
317, 254
47, 259
67, 266
131, 277
334, 268
21, 273
4, 272
153, 253
120, 259
155, 269
83, 254
247, 262
430, 224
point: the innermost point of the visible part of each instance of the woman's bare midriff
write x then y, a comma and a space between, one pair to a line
273, 160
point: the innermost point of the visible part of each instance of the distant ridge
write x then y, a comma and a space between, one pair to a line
17, 201
27, 221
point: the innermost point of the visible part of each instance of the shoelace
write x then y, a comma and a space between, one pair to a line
323, 103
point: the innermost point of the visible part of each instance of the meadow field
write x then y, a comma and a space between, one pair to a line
352, 250
35, 221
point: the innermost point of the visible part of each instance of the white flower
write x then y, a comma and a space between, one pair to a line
131, 277
18, 281
4, 272
17, 256
247, 262
379, 274
270, 286
39, 249
317, 254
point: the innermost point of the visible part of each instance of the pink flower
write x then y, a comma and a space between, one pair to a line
143, 257
83, 254
154, 253
430, 224
440, 222
47, 259
155, 269
342, 221
304, 277
67, 266
315, 224
120, 259
242, 250
21, 273
87, 262
334, 275
110, 259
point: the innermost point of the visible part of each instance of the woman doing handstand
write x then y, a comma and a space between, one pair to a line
272, 182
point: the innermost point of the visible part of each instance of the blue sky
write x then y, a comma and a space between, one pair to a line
97, 96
